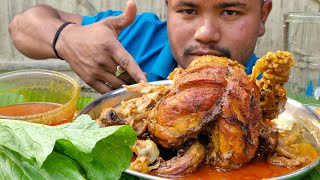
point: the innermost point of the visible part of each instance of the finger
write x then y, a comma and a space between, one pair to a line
110, 69
126, 78
101, 87
105, 82
123, 20
112, 80
126, 61
130, 12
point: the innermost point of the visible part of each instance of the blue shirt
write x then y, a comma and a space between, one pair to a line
146, 39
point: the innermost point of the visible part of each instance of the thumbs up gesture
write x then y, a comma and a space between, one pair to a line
96, 55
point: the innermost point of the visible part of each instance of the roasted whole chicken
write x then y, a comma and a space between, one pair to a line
211, 113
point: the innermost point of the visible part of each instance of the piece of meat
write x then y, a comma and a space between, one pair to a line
287, 152
234, 139
212, 97
193, 102
147, 156
268, 140
135, 111
275, 68
187, 161
209, 88
145, 88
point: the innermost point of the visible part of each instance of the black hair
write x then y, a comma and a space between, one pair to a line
262, 1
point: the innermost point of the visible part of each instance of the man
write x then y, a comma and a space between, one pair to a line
114, 48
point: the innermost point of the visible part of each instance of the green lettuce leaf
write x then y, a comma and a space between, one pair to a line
57, 166
77, 150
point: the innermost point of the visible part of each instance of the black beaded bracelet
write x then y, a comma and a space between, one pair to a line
56, 36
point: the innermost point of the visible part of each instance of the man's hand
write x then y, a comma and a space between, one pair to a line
94, 52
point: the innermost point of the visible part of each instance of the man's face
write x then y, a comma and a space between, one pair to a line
227, 28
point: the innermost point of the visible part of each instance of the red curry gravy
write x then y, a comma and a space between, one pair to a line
27, 109
31, 109
254, 170
258, 169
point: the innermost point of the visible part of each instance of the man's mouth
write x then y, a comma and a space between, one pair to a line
206, 52
215, 51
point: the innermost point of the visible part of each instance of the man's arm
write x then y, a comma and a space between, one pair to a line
92, 51
32, 31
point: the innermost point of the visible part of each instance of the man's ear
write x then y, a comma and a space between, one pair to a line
265, 11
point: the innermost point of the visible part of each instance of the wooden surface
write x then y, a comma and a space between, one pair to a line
273, 38
11, 59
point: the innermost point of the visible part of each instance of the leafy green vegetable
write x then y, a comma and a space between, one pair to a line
77, 150
83, 101
57, 166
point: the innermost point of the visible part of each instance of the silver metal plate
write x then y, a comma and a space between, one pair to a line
295, 112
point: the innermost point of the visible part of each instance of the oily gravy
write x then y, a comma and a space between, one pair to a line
28, 109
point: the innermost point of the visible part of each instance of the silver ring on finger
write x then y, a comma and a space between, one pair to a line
120, 71
108, 85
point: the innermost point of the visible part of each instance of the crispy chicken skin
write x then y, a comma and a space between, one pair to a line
234, 138
212, 112
209, 88
193, 102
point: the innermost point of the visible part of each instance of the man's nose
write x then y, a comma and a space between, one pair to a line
207, 32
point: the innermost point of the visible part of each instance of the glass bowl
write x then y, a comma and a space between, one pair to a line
38, 96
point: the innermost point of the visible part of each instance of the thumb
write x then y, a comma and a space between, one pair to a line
123, 20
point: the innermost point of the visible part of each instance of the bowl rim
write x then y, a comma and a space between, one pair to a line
71, 80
